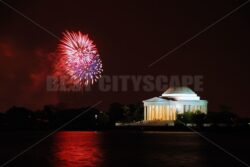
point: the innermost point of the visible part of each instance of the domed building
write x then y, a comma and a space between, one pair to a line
176, 100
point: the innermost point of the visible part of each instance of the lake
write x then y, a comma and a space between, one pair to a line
123, 149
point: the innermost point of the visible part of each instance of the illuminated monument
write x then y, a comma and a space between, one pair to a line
175, 100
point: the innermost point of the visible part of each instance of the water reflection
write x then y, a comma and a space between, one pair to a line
76, 149
123, 149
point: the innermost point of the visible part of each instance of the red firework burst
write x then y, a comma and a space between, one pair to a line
79, 59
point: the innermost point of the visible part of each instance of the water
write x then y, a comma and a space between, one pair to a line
123, 149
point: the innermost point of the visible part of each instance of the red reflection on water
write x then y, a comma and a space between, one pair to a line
74, 149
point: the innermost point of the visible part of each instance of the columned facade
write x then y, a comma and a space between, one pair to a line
159, 112
172, 102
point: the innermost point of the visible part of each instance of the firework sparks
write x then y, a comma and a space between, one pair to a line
79, 59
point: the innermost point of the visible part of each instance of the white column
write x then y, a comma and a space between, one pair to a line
149, 112
153, 112
145, 113
168, 112
164, 113
156, 112
174, 113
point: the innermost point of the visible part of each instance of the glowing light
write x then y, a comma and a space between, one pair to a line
79, 59
76, 149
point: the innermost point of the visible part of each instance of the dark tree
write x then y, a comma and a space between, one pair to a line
19, 118
116, 113
199, 118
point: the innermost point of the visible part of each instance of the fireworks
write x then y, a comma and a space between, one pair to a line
79, 59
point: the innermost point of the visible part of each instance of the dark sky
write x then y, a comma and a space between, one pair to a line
129, 35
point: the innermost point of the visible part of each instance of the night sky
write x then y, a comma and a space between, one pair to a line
129, 35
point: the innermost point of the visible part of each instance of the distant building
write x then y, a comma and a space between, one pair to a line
172, 102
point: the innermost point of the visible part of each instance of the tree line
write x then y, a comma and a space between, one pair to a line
52, 117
